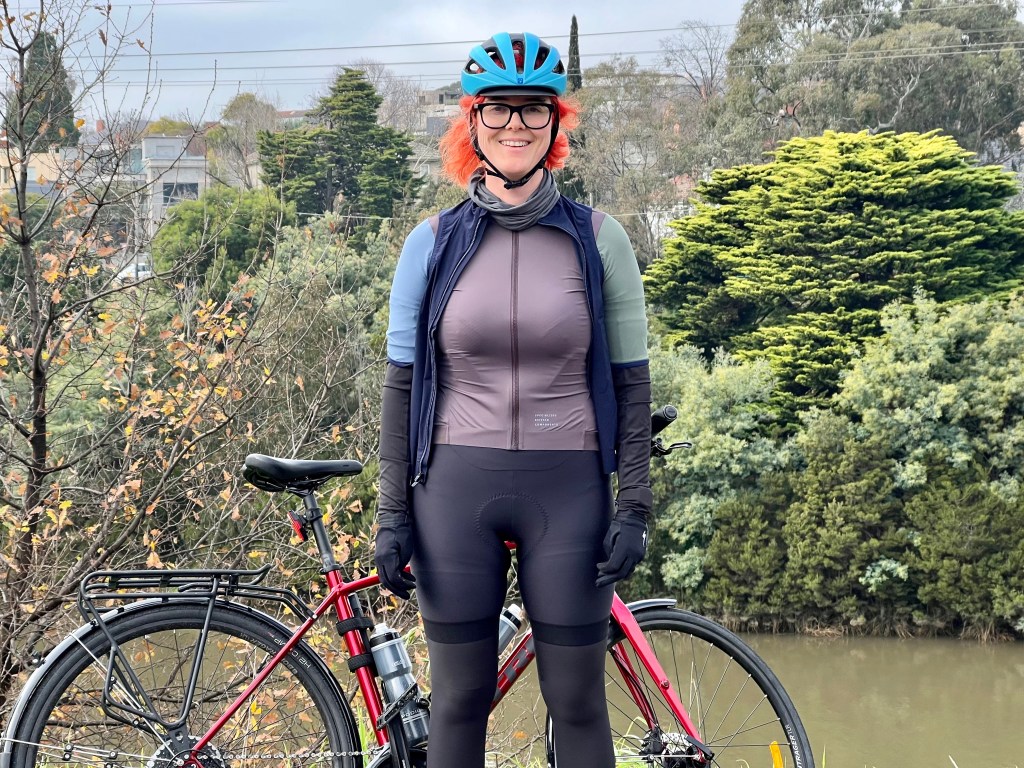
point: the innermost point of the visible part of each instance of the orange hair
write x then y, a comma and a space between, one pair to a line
459, 159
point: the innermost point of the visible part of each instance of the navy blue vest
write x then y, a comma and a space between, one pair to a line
459, 232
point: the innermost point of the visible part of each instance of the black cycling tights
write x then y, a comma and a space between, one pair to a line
555, 505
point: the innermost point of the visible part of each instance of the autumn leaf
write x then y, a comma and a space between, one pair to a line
55, 296
298, 382
103, 37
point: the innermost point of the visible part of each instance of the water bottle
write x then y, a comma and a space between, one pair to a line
395, 669
509, 622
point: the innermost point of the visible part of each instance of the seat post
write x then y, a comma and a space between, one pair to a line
316, 522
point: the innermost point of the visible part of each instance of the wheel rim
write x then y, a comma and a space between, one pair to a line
734, 714
281, 725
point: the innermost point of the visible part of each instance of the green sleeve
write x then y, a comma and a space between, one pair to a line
625, 316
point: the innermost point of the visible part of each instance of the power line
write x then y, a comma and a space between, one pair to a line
448, 77
336, 65
847, 55
371, 46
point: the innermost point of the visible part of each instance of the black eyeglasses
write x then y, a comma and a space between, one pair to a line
534, 115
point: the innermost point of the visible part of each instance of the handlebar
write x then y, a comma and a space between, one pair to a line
660, 419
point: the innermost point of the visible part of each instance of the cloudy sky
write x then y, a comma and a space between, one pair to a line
286, 50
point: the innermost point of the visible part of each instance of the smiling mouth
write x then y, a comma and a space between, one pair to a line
510, 143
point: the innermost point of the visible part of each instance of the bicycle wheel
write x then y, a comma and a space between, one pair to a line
742, 713
296, 718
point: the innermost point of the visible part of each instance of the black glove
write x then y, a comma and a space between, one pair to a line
625, 544
626, 541
393, 551
393, 548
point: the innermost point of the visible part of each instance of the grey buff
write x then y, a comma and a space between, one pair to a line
515, 217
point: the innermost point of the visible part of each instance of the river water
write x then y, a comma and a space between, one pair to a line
890, 703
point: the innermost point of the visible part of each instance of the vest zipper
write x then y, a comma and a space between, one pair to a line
515, 341
428, 418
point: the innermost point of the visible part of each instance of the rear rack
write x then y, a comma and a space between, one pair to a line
121, 587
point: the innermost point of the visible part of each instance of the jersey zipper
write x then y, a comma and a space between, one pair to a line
515, 341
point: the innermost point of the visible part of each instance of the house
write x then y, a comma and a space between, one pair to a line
170, 173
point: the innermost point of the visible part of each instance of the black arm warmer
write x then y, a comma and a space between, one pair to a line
394, 441
633, 447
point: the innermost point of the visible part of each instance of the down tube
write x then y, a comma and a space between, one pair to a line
624, 618
513, 667
264, 673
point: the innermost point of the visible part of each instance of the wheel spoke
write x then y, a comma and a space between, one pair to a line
294, 719
738, 707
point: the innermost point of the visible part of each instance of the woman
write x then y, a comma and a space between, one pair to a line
517, 382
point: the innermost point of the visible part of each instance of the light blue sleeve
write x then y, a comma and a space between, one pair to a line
407, 289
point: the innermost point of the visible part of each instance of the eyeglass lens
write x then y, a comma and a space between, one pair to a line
534, 116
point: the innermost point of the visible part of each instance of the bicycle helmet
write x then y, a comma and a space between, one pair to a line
515, 64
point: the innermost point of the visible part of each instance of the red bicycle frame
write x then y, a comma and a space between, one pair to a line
521, 657
523, 654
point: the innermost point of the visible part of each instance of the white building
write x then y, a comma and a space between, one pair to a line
170, 174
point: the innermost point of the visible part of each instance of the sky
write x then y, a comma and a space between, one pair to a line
199, 47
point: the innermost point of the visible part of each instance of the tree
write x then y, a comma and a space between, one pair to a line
844, 532
209, 242
123, 419
76, 375
792, 261
169, 126
695, 56
718, 404
346, 163
969, 556
629, 121
574, 70
943, 387
570, 183
800, 68
40, 113
399, 96
234, 141
296, 162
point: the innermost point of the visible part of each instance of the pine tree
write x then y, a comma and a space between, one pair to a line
347, 162
44, 97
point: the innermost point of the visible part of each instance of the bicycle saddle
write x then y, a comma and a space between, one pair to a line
269, 473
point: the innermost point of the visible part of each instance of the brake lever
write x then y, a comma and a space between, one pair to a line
658, 448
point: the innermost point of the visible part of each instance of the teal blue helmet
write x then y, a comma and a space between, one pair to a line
514, 64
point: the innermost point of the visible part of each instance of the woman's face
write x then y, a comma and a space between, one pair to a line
516, 148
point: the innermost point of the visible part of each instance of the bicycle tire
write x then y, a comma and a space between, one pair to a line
296, 718
736, 702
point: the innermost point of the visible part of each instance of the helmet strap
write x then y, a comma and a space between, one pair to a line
492, 170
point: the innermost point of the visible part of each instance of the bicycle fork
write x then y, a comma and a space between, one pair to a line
634, 637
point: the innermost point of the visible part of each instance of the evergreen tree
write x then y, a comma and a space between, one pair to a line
792, 261
45, 99
571, 182
575, 71
297, 163
346, 162
844, 533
